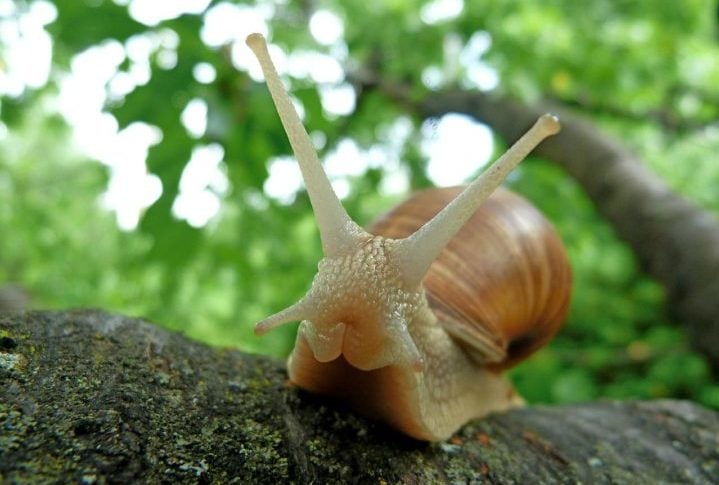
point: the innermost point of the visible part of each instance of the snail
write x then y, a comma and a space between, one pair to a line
413, 321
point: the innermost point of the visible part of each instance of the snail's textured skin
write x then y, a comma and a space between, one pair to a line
375, 373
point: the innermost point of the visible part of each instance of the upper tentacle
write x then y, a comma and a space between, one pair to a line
418, 251
338, 232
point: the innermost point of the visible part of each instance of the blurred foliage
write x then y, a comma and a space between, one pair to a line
645, 71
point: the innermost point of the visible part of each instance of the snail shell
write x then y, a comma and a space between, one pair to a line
502, 285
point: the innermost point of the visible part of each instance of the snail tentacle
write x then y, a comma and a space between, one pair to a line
338, 232
419, 250
295, 312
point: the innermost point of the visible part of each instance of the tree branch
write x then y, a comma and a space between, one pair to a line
94, 398
669, 119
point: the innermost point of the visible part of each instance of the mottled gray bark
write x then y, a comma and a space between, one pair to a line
675, 241
91, 397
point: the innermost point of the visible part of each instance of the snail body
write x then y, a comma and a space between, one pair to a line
412, 321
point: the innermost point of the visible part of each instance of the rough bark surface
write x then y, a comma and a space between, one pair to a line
88, 397
675, 241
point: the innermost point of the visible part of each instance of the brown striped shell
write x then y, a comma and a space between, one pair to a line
502, 286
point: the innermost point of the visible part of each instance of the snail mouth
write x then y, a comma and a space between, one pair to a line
373, 350
363, 350
326, 343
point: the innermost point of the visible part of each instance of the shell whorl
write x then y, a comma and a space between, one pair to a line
502, 283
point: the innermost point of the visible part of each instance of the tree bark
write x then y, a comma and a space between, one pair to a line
675, 241
96, 398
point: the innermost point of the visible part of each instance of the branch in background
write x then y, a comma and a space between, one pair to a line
91, 397
13, 298
669, 116
668, 119
676, 242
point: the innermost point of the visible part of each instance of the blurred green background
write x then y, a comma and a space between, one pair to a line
143, 169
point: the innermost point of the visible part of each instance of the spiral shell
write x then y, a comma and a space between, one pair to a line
502, 285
